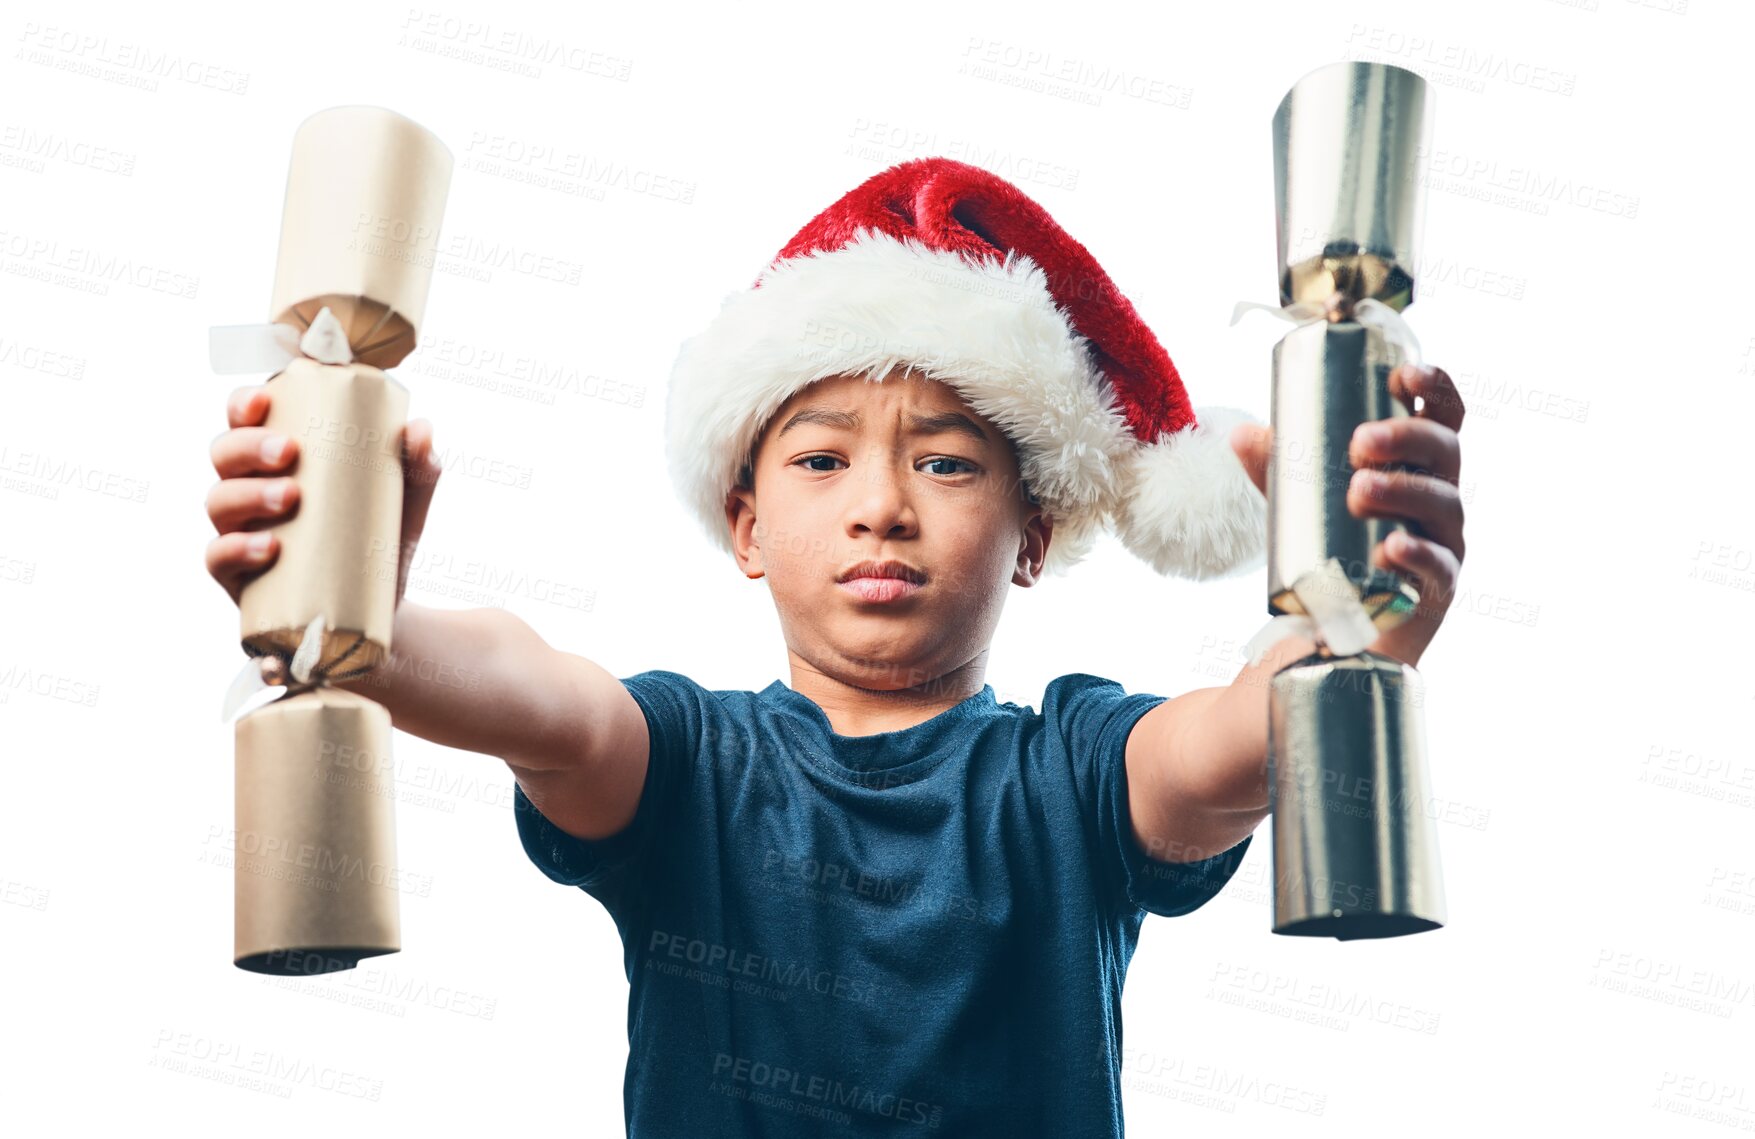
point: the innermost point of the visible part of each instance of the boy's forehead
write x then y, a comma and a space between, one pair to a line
859, 394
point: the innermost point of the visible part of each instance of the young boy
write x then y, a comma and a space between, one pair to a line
876, 899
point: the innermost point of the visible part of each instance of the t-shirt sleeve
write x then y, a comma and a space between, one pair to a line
1092, 718
675, 708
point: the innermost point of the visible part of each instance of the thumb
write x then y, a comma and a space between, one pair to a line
1252, 442
420, 475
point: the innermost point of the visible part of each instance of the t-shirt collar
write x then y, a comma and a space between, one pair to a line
885, 750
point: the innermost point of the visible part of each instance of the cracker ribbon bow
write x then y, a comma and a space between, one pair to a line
233, 348
1333, 615
265, 675
1369, 311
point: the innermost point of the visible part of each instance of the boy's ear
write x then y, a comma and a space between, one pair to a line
740, 515
1033, 546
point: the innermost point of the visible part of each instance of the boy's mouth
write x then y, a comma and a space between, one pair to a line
880, 588
881, 581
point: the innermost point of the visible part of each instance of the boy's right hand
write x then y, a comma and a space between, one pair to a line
253, 494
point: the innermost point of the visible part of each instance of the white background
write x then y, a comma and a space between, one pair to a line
1588, 286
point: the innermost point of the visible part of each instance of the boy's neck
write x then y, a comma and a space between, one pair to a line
856, 711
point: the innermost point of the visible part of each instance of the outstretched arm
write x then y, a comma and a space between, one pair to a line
483, 680
1197, 764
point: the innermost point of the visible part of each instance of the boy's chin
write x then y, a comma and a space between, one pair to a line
886, 663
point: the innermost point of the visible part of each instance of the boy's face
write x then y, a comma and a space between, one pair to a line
850, 470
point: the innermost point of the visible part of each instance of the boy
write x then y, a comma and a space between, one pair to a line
877, 900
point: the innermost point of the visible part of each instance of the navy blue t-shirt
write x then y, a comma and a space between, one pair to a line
916, 932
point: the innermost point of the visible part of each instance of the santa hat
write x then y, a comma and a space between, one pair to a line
952, 271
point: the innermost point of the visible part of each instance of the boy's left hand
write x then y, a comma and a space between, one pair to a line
1406, 468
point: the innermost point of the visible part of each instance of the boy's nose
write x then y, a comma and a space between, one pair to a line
881, 502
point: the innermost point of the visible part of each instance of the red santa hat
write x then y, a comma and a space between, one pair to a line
950, 270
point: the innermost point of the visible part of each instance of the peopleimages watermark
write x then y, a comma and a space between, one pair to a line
1727, 779
34, 358
1698, 1097
883, 143
1202, 1083
1721, 563
86, 270
1321, 1004
501, 48
1522, 187
342, 764
1487, 396
833, 882
122, 62
460, 254
1731, 890
319, 868
1671, 983
374, 990
515, 374
49, 685
1469, 68
475, 581
258, 1069
735, 1074
577, 173
23, 148
782, 977
1048, 72
15, 893
43, 476
329, 439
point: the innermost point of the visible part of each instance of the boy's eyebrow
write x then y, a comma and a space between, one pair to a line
917, 424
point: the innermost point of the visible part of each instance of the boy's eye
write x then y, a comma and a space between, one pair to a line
933, 464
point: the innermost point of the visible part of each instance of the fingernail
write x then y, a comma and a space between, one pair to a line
273, 448
1372, 435
258, 544
275, 496
1364, 481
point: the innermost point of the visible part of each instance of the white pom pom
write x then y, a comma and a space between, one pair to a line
1186, 505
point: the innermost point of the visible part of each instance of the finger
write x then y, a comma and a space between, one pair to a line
231, 558
1438, 396
417, 445
420, 473
420, 476
1408, 443
232, 503
1432, 505
1432, 568
1252, 443
247, 407
252, 451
